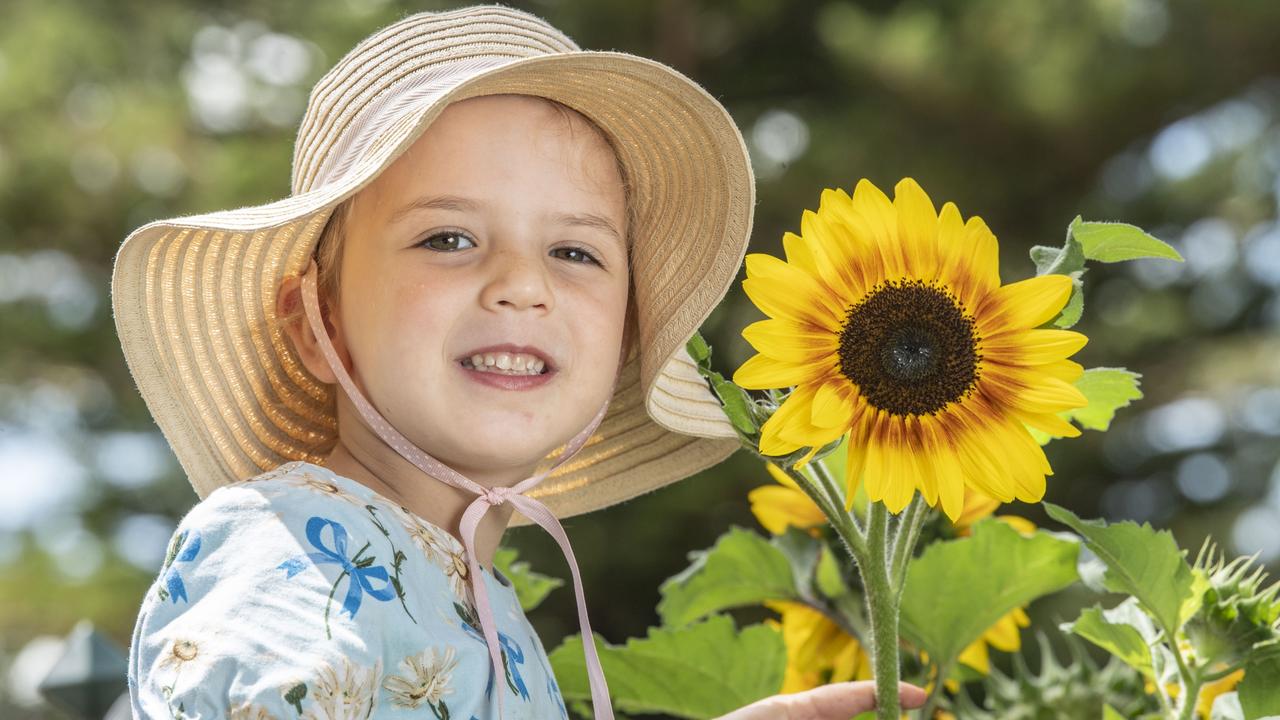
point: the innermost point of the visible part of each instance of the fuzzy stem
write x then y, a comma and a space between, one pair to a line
855, 542
883, 610
837, 493
905, 542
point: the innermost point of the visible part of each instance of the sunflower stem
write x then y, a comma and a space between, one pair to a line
848, 518
882, 606
854, 541
905, 542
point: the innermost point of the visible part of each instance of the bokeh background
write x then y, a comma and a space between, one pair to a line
1161, 113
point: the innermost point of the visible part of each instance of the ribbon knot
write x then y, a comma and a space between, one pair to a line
496, 496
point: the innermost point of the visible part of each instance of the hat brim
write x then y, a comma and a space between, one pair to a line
194, 297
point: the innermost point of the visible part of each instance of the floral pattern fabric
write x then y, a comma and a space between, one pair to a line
301, 593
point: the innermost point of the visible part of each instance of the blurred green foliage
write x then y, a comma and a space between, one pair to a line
1160, 113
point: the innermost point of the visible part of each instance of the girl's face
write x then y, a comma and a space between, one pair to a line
500, 225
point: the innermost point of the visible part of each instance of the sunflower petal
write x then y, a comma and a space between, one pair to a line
832, 406
917, 228
856, 458
798, 253
1023, 304
796, 405
1033, 347
827, 248
947, 468
1065, 370
876, 218
921, 458
761, 372
789, 341
1050, 424
777, 507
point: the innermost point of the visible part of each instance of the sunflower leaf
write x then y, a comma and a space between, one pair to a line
698, 348
1124, 631
999, 569
1108, 390
699, 671
1114, 242
742, 568
1259, 693
1141, 561
530, 587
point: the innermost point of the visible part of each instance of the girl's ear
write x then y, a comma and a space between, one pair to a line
294, 322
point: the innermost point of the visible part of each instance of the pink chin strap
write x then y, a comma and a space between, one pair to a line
488, 498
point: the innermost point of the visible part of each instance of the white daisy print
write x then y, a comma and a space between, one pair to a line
426, 679
348, 693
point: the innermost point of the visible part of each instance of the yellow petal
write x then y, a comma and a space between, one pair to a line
876, 218
855, 460
1023, 304
975, 656
920, 456
796, 405
832, 406
1050, 424
798, 302
798, 253
917, 228
1067, 371
778, 507
1032, 347
829, 250
762, 372
792, 342
947, 468
1021, 524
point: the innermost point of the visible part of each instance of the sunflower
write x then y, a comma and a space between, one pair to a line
818, 650
889, 320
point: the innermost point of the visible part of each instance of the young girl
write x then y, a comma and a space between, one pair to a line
495, 250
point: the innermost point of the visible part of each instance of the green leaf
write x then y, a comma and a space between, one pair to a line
702, 670
1124, 631
1259, 689
742, 568
958, 589
698, 348
1059, 261
531, 587
1108, 390
829, 578
736, 404
1142, 562
1114, 242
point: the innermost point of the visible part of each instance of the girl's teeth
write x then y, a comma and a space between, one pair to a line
506, 365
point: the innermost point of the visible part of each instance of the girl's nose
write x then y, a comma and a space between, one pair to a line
517, 279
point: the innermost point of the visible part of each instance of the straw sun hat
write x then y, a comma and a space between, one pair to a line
194, 297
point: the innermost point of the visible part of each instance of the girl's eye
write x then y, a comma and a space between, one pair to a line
447, 236
581, 253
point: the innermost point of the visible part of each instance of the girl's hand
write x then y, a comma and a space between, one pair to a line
839, 701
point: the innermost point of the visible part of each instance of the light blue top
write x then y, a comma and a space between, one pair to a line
304, 594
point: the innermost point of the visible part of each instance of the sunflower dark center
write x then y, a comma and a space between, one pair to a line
910, 348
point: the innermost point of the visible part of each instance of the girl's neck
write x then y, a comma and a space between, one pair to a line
442, 504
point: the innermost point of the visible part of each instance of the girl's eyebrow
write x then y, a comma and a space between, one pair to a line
461, 204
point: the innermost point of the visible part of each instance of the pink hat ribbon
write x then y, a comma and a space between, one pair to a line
488, 498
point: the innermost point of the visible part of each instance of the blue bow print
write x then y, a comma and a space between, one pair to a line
187, 552
360, 570
515, 657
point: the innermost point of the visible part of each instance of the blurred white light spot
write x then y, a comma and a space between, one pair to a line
1257, 529
1235, 123
1260, 411
76, 551
279, 59
1216, 302
90, 106
94, 168
1185, 424
143, 539
1144, 21
1180, 150
131, 459
1203, 477
218, 92
1262, 253
779, 137
40, 476
1209, 246
30, 666
158, 170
